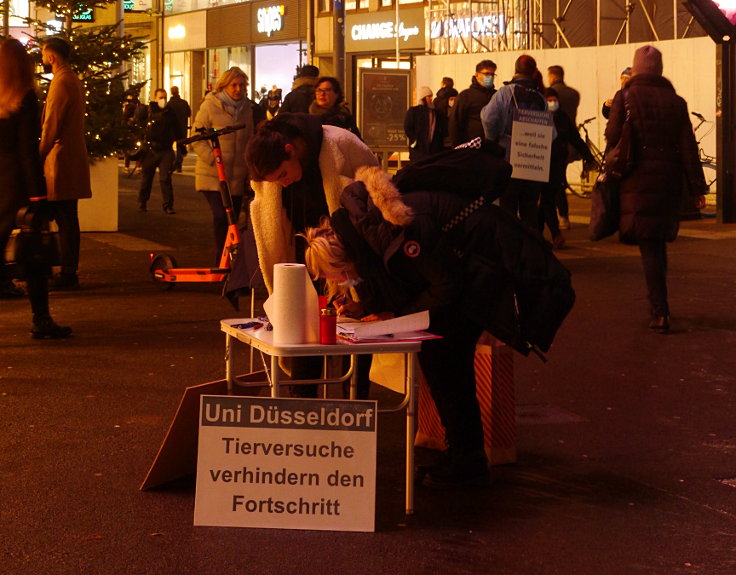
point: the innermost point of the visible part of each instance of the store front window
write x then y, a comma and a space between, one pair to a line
177, 70
220, 60
276, 65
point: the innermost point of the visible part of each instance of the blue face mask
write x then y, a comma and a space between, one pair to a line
488, 81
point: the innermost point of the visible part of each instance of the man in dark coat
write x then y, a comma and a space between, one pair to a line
465, 124
183, 112
422, 126
666, 154
444, 103
302, 92
161, 132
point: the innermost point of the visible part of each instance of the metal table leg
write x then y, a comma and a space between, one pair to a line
411, 390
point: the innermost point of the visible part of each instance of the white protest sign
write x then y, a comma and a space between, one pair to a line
531, 144
286, 463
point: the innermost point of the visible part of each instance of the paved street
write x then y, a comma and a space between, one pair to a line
626, 439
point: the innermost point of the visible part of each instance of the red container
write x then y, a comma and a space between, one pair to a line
328, 326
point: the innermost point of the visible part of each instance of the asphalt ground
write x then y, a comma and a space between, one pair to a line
626, 439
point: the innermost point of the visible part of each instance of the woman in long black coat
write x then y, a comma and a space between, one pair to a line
665, 159
21, 172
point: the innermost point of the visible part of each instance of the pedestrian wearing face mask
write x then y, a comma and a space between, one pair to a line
465, 123
162, 129
422, 127
567, 134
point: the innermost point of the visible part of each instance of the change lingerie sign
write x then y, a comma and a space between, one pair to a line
286, 463
372, 31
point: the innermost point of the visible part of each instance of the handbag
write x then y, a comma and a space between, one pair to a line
618, 160
34, 243
605, 210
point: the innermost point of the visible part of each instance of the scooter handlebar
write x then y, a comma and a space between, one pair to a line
210, 134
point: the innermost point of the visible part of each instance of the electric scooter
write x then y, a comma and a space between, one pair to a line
163, 267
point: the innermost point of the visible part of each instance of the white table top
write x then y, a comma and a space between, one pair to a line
262, 340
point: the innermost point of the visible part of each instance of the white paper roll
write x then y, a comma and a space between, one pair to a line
294, 315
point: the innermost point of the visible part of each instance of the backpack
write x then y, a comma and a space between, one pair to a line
528, 98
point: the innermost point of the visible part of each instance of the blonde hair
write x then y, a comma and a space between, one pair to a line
224, 80
326, 255
16, 76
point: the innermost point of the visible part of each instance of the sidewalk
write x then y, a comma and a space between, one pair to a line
626, 439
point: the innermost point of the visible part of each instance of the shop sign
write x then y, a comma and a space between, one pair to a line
481, 26
378, 31
137, 5
270, 19
82, 15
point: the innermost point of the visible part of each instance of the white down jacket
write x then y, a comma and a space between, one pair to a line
211, 115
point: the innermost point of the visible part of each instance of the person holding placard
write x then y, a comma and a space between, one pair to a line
521, 93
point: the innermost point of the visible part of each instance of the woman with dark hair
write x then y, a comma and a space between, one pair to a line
329, 103
21, 174
298, 168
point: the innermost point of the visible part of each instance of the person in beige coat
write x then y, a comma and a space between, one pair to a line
64, 155
226, 106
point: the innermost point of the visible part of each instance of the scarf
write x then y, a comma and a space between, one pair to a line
231, 106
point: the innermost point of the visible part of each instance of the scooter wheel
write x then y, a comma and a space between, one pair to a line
159, 264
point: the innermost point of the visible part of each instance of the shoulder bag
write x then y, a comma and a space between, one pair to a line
34, 242
618, 160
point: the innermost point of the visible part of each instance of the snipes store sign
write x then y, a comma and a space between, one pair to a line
378, 31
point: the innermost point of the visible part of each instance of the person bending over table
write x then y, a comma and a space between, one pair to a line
298, 168
404, 254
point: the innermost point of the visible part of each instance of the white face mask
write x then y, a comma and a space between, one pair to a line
161, 102
553, 106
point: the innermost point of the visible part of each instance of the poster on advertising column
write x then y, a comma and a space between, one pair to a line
384, 100
531, 144
286, 463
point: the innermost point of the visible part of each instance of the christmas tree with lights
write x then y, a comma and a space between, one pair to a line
99, 55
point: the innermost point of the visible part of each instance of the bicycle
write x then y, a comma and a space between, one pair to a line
709, 164
589, 174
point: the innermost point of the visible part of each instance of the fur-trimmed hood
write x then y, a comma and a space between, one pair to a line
385, 195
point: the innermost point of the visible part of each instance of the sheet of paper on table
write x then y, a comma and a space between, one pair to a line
407, 327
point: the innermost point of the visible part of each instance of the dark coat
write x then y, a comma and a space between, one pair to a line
481, 267
339, 115
183, 112
567, 137
416, 128
442, 105
300, 97
465, 121
21, 171
162, 127
665, 157
569, 100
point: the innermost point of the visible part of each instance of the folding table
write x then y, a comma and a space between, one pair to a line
262, 340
